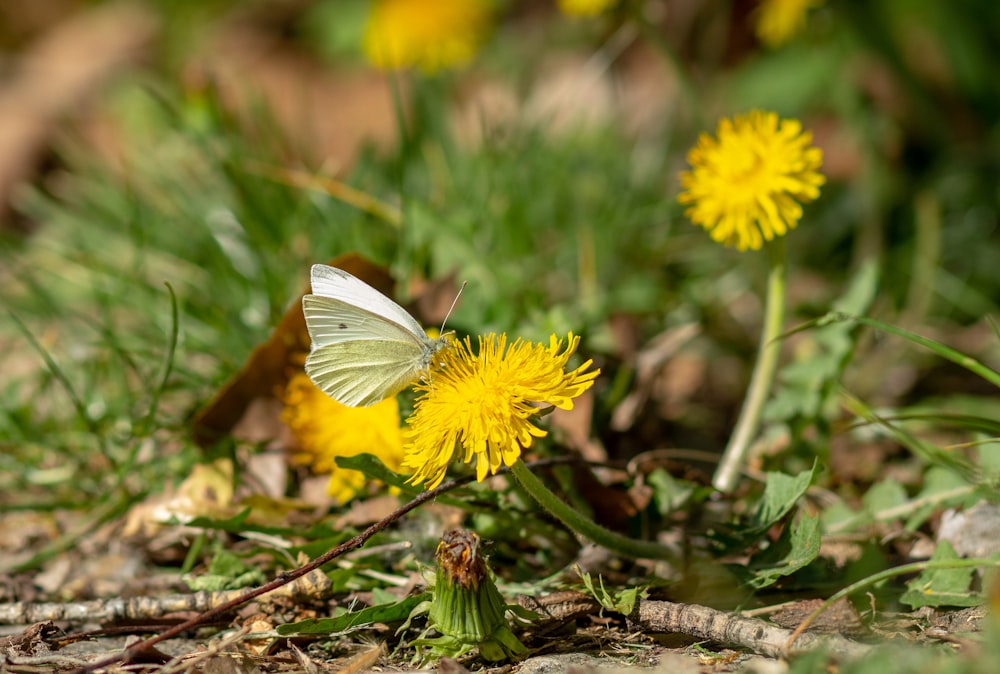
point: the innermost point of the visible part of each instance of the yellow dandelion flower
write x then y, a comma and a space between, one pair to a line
485, 402
778, 21
749, 185
324, 429
428, 34
585, 7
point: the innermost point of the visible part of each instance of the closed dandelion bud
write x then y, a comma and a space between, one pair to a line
467, 609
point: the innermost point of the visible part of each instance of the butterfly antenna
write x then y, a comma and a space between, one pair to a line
453, 305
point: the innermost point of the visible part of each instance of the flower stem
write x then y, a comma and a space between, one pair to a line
763, 373
629, 547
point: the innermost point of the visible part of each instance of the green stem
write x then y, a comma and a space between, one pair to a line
628, 547
957, 357
763, 373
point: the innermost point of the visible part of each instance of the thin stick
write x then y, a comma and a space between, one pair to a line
282, 579
735, 630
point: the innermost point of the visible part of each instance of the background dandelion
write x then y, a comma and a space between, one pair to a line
779, 21
428, 34
747, 185
585, 7
746, 189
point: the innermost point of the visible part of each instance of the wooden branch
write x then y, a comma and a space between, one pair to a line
314, 585
734, 630
112, 610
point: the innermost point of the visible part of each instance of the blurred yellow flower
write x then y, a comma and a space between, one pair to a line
485, 403
585, 7
428, 34
749, 184
778, 21
324, 429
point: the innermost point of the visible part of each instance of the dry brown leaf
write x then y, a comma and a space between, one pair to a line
258, 622
207, 491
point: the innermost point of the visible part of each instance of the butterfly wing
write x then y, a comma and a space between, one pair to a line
365, 347
363, 372
337, 284
332, 321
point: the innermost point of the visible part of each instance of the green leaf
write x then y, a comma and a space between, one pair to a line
808, 384
239, 524
836, 514
373, 468
669, 493
988, 453
781, 493
884, 495
380, 613
797, 547
622, 601
315, 548
626, 599
942, 587
226, 571
968, 362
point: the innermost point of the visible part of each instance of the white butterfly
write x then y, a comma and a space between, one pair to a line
365, 347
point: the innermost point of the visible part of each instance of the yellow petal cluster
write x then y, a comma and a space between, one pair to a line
324, 429
585, 7
427, 34
483, 403
778, 21
748, 183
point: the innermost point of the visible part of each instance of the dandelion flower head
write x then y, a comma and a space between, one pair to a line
324, 429
748, 184
428, 34
585, 7
483, 403
778, 21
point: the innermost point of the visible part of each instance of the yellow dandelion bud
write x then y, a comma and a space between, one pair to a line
748, 184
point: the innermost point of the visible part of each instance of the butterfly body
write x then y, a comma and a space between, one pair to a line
365, 347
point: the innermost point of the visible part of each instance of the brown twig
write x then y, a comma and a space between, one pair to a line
282, 579
731, 629
111, 610
139, 610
